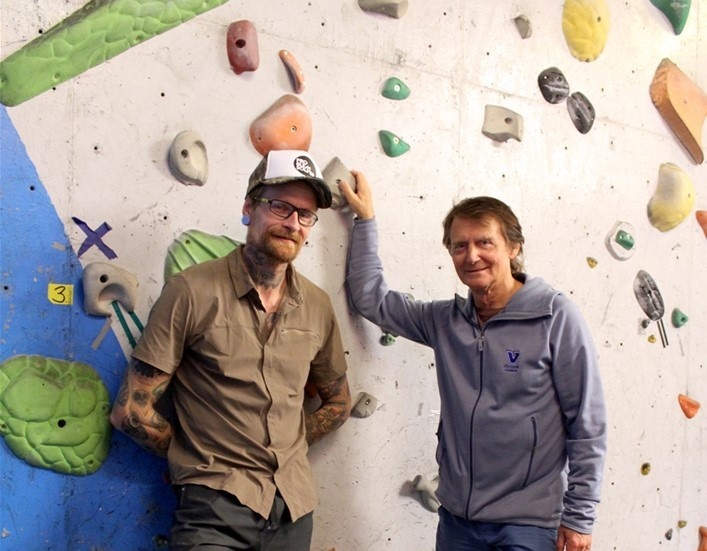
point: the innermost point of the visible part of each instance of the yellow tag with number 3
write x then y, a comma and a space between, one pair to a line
62, 294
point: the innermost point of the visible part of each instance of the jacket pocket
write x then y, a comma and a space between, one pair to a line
534, 446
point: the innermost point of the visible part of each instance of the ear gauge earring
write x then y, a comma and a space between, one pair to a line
245, 220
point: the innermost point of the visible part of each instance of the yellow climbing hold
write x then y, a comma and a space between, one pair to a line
673, 199
585, 24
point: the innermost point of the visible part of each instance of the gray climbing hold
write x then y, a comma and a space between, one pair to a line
553, 85
365, 405
187, 159
427, 489
523, 25
104, 283
334, 172
581, 112
501, 124
391, 8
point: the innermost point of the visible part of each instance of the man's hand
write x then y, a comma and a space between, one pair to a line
361, 200
569, 540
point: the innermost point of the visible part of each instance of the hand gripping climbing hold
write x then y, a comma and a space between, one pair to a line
242, 46
682, 104
187, 158
286, 124
104, 283
334, 172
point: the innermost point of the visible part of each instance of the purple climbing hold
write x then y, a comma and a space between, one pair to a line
581, 112
553, 85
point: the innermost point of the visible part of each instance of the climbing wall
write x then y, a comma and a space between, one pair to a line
85, 178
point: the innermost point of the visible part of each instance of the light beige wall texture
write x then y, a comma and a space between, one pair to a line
100, 144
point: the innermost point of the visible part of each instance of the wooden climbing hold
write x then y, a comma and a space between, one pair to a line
682, 104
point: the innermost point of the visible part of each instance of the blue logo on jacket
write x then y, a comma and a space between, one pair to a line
512, 365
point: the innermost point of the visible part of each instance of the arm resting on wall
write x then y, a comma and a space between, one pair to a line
134, 412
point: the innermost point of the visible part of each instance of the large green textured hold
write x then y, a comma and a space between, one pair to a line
91, 35
54, 413
194, 247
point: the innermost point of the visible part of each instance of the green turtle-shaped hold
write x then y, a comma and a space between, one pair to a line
54, 414
194, 247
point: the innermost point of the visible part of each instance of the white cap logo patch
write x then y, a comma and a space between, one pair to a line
304, 165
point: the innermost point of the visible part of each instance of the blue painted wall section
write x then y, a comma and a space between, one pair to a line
127, 504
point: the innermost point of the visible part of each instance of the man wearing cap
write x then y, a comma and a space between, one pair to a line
233, 342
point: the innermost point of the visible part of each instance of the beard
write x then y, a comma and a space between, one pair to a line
279, 246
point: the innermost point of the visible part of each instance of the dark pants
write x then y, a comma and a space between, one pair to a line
211, 520
458, 534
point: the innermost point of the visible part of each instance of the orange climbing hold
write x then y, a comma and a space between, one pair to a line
295, 71
701, 216
286, 124
703, 538
689, 406
682, 104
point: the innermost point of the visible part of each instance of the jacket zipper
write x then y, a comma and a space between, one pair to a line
532, 450
480, 348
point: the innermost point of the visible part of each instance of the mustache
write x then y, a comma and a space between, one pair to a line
293, 236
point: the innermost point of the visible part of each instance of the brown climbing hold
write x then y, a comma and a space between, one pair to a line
286, 124
294, 70
703, 538
242, 46
701, 216
682, 105
689, 406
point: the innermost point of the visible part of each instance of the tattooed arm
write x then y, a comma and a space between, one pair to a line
134, 411
335, 409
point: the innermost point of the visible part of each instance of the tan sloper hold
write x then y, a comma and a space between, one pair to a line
682, 104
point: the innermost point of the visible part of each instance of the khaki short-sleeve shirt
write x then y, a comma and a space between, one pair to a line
238, 388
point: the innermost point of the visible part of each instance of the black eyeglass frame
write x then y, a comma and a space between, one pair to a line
291, 208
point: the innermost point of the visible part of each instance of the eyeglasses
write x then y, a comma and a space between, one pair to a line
284, 210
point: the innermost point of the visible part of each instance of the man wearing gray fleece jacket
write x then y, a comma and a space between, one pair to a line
522, 432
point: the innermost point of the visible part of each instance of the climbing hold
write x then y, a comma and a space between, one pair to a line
689, 406
676, 11
286, 124
387, 339
391, 8
673, 199
187, 159
523, 25
702, 531
394, 88
194, 247
592, 262
553, 85
96, 32
682, 523
585, 25
701, 216
581, 112
392, 144
54, 414
650, 301
334, 172
645, 469
427, 489
242, 46
501, 124
294, 70
682, 105
678, 318
669, 534
364, 406
104, 283
619, 241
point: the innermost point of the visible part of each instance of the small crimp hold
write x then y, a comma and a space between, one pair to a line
620, 242
678, 318
689, 406
581, 112
553, 85
365, 405
501, 124
391, 8
187, 159
523, 25
294, 70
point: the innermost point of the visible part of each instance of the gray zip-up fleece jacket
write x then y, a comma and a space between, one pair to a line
521, 398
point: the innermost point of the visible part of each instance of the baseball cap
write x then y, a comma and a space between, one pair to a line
290, 165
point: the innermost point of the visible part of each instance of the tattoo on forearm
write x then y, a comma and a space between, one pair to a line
335, 410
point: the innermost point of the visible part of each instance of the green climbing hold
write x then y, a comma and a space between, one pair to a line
625, 239
54, 414
392, 144
676, 11
387, 339
394, 88
678, 318
95, 33
194, 247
